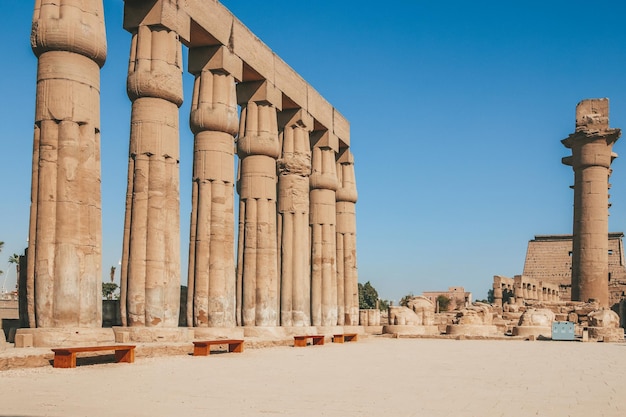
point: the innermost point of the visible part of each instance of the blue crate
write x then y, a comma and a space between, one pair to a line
563, 330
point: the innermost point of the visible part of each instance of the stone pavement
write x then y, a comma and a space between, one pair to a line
372, 377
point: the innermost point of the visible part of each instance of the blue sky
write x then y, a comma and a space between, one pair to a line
457, 110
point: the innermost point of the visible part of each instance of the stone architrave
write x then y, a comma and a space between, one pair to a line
64, 265
591, 158
257, 256
150, 278
347, 277
214, 121
323, 218
294, 169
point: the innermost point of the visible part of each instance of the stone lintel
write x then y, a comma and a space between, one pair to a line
324, 139
292, 117
341, 128
166, 13
207, 23
259, 91
215, 58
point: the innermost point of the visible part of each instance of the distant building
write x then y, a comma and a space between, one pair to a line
457, 295
549, 259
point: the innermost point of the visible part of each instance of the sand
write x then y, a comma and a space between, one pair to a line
372, 377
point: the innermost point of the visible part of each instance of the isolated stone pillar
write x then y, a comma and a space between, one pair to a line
347, 277
294, 169
257, 257
591, 158
150, 290
64, 281
323, 219
214, 121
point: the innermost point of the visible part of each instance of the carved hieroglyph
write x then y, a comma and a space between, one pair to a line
214, 121
323, 219
347, 277
258, 149
294, 169
64, 263
591, 146
150, 290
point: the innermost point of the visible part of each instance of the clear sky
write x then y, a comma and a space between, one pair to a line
457, 109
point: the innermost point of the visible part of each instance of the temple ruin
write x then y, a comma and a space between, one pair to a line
295, 262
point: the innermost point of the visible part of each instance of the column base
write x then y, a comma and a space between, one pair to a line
63, 337
539, 332
206, 333
153, 334
482, 330
411, 330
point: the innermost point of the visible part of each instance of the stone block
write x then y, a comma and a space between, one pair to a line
122, 337
23, 340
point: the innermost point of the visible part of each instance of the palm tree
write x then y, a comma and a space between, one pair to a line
15, 259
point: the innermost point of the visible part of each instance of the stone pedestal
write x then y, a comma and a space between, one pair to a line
63, 337
141, 334
205, 333
411, 330
535, 331
481, 330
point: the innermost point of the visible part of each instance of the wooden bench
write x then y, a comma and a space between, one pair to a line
203, 347
66, 357
301, 341
347, 337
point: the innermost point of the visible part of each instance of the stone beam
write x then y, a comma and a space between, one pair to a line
209, 23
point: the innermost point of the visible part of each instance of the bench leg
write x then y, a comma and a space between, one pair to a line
299, 342
318, 340
125, 355
201, 350
338, 339
351, 338
65, 360
235, 347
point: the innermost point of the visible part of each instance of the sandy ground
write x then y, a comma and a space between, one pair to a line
372, 377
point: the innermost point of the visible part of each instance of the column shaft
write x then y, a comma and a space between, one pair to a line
64, 267
294, 168
258, 150
214, 120
151, 253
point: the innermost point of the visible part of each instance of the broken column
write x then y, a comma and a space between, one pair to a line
214, 121
150, 280
294, 169
347, 277
591, 158
257, 257
323, 219
64, 278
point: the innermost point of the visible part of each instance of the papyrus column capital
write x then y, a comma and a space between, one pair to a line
70, 26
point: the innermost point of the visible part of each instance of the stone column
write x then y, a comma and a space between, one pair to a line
347, 277
257, 256
294, 169
591, 158
323, 219
150, 290
214, 121
64, 280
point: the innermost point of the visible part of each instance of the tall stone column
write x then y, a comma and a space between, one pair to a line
150, 290
214, 121
322, 220
64, 280
257, 258
294, 169
347, 277
591, 158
